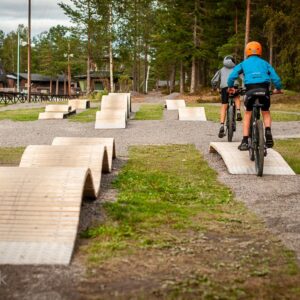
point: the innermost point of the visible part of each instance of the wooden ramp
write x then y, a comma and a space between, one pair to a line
192, 114
93, 157
115, 102
56, 111
174, 104
109, 143
52, 115
79, 104
238, 162
110, 119
128, 95
58, 108
39, 213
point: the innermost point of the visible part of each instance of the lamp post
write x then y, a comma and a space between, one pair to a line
69, 55
18, 71
29, 54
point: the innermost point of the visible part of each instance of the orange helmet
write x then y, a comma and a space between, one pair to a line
253, 48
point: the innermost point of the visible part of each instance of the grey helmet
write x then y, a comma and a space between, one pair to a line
229, 61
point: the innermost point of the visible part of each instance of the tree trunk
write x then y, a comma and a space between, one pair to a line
65, 84
236, 32
111, 66
247, 31
146, 68
182, 78
88, 75
271, 48
50, 87
172, 79
194, 64
57, 86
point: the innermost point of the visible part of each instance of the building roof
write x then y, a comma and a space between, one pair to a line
40, 78
98, 74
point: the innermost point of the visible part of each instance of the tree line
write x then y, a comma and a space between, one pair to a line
181, 41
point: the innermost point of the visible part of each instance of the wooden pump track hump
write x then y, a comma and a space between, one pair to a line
39, 213
115, 102
192, 114
128, 95
56, 111
79, 104
109, 143
93, 157
238, 162
174, 104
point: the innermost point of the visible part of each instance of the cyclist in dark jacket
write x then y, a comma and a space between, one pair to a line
220, 80
257, 74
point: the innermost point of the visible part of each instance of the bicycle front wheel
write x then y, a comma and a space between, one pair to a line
230, 123
259, 151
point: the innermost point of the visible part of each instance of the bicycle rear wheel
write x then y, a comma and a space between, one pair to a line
230, 125
259, 151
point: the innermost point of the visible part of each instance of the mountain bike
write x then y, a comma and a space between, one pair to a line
257, 145
230, 117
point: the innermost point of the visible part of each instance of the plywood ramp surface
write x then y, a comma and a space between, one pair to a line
108, 142
52, 115
238, 162
174, 104
110, 119
115, 102
58, 108
79, 104
192, 114
39, 213
90, 156
128, 95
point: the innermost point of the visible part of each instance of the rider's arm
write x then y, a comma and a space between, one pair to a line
216, 79
274, 77
237, 70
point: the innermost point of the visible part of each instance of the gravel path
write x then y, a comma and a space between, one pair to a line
275, 198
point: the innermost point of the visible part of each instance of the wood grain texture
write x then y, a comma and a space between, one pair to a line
109, 143
192, 114
39, 213
79, 104
52, 115
110, 119
91, 157
174, 104
238, 162
115, 102
128, 95
58, 108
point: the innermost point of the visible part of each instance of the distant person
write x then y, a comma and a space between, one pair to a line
220, 81
257, 74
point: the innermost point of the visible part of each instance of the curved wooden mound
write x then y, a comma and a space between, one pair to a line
238, 162
93, 157
192, 114
110, 119
109, 143
127, 95
39, 213
174, 104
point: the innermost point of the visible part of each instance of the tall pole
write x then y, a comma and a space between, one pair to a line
247, 25
69, 71
29, 54
18, 71
111, 67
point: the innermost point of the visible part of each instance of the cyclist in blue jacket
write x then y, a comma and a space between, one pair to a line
257, 74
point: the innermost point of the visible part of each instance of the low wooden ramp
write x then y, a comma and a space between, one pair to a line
192, 114
52, 115
56, 111
58, 108
238, 162
174, 104
93, 157
110, 119
109, 143
39, 213
115, 102
79, 104
128, 95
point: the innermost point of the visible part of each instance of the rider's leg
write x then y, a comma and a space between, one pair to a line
267, 122
246, 125
237, 101
222, 120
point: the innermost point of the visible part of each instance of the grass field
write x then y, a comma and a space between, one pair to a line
21, 114
289, 149
174, 218
88, 115
11, 155
150, 112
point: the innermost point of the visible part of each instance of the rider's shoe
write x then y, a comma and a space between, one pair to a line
221, 132
269, 138
239, 116
244, 146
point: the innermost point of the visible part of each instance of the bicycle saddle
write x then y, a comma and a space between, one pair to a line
261, 92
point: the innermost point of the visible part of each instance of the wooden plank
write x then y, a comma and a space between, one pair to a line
58, 108
110, 119
192, 114
79, 103
116, 102
174, 104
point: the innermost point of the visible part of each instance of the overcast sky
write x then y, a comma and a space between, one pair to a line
45, 14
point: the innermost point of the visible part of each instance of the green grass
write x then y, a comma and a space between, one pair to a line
150, 112
11, 155
88, 115
168, 199
21, 114
289, 149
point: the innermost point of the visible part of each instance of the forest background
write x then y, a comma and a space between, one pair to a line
181, 41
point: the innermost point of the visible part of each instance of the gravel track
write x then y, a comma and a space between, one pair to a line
276, 199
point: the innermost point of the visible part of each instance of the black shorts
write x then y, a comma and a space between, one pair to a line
264, 98
225, 95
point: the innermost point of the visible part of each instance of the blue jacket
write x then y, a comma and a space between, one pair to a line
255, 70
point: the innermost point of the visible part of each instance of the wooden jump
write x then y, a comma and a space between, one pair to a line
192, 114
93, 157
110, 119
79, 104
109, 143
54, 111
238, 162
174, 104
39, 213
128, 95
